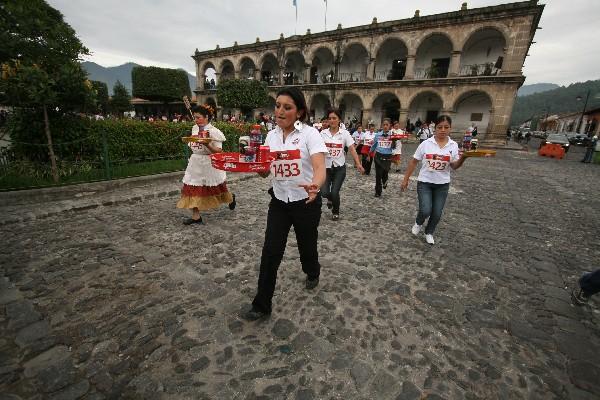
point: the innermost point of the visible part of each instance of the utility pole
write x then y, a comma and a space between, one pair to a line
579, 98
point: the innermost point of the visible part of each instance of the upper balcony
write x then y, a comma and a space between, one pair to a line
435, 57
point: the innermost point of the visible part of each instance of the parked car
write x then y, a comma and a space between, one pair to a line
557, 138
578, 138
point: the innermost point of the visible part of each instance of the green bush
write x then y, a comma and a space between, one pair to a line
161, 84
80, 139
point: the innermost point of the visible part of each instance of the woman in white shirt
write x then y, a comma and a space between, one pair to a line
297, 175
438, 155
336, 138
367, 140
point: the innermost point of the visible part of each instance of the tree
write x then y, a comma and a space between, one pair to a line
39, 54
101, 96
120, 101
245, 94
159, 84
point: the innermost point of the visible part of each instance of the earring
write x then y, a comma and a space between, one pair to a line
298, 125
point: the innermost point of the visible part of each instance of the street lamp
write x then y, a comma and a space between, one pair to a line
579, 98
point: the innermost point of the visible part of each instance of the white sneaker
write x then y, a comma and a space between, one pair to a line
429, 239
416, 229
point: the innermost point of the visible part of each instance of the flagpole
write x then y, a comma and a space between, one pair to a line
325, 14
296, 26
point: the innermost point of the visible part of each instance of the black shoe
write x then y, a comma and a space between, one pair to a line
329, 204
191, 221
377, 195
385, 185
312, 283
255, 314
233, 203
578, 297
335, 217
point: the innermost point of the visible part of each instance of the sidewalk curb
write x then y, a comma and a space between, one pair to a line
80, 205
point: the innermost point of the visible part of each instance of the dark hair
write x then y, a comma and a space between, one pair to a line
297, 98
389, 121
336, 112
443, 118
324, 119
203, 109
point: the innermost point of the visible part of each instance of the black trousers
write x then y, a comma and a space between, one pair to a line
366, 164
333, 184
382, 169
281, 217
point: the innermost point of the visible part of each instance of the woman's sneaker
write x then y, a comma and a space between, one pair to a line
429, 238
416, 229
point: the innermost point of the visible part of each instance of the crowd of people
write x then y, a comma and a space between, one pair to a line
311, 166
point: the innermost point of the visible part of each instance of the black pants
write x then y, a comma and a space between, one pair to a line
281, 217
382, 169
366, 164
590, 282
333, 184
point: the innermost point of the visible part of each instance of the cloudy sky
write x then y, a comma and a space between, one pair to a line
166, 32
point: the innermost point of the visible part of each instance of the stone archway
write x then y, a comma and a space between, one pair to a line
390, 62
319, 105
247, 68
385, 105
433, 57
351, 108
209, 75
472, 107
353, 67
483, 53
294, 69
322, 66
227, 71
425, 106
269, 69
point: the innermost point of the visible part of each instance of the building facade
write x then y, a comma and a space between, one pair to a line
466, 63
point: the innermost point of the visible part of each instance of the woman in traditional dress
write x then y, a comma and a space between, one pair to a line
204, 187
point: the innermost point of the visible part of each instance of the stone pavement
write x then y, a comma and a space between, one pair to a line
115, 298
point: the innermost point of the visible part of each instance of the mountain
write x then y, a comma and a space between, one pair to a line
110, 75
526, 90
556, 101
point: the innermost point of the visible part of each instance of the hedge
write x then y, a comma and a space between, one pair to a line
78, 138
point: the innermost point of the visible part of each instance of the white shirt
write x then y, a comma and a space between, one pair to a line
335, 147
425, 133
435, 160
309, 141
217, 136
367, 138
357, 137
398, 149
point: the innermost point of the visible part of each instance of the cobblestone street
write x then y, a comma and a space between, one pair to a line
120, 300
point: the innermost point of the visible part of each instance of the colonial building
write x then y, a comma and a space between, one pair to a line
465, 63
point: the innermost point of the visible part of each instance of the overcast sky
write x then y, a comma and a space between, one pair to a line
167, 32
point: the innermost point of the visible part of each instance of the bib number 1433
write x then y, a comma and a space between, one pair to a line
283, 170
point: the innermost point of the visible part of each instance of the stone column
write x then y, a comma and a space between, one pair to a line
366, 116
402, 117
257, 74
219, 113
217, 78
200, 79
306, 73
280, 77
410, 66
500, 117
371, 70
336, 72
455, 64
237, 73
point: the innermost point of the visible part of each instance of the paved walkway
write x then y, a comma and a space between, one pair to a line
114, 298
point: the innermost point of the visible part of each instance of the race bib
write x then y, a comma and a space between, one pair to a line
287, 166
436, 162
384, 144
369, 142
334, 149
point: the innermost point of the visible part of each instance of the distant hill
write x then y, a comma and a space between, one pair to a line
556, 101
526, 90
110, 75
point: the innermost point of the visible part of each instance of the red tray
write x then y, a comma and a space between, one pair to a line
231, 162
